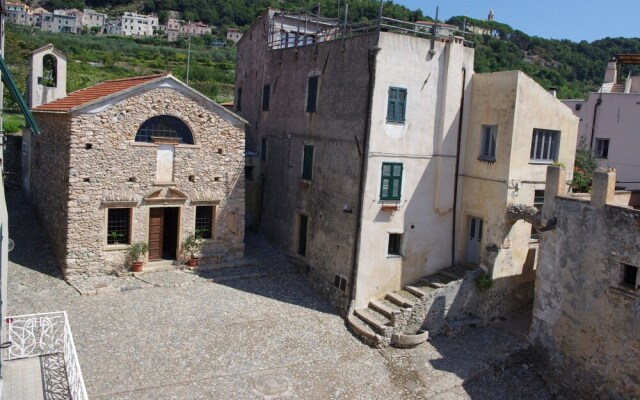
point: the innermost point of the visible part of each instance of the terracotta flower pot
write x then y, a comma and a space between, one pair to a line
192, 262
137, 266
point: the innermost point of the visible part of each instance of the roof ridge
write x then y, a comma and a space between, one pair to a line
133, 78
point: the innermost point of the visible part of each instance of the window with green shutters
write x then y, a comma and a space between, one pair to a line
307, 162
397, 104
391, 183
312, 94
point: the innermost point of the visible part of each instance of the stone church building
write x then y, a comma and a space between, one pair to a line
144, 159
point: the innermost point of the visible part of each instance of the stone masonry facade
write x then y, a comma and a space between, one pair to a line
586, 316
98, 165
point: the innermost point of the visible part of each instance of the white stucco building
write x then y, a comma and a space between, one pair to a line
381, 158
132, 24
610, 122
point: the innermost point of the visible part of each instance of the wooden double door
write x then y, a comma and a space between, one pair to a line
164, 223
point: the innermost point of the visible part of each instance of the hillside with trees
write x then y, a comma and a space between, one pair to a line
573, 68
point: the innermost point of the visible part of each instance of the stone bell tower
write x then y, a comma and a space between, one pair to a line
47, 79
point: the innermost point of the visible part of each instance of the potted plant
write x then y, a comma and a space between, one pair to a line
137, 251
191, 245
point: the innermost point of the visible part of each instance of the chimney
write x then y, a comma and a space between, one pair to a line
553, 91
611, 76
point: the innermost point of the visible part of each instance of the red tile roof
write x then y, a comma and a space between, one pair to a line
93, 93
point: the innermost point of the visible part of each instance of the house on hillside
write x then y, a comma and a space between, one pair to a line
144, 159
374, 173
609, 121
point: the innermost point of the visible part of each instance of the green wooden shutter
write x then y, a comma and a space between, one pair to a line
312, 94
307, 162
401, 104
302, 236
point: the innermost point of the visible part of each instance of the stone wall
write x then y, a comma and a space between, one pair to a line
336, 130
586, 320
50, 177
12, 163
109, 169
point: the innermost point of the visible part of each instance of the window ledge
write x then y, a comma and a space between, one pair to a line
304, 183
394, 256
487, 159
396, 122
541, 162
165, 183
115, 247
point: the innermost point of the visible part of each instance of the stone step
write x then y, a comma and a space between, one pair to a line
384, 307
363, 331
438, 280
415, 291
424, 287
402, 298
456, 272
377, 321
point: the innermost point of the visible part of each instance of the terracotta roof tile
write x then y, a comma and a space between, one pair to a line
93, 93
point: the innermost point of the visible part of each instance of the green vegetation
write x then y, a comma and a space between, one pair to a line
93, 59
12, 123
583, 169
573, 68
484, 282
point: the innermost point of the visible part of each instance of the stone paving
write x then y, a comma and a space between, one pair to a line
254, 332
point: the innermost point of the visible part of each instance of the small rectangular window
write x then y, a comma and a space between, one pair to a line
630, 276
248, 173
391, 183
266, 93
395, 241
538, 199
312, 94
263, 149
204, 222
396, 104
307, 162
544, 145
488, 145
602, 148
239, 100
118, 226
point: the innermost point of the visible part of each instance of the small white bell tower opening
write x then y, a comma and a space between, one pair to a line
48, 77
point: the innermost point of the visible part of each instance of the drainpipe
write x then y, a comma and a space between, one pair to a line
593, 125
363, 168
455, 179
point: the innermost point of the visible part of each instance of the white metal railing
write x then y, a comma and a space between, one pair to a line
37, 335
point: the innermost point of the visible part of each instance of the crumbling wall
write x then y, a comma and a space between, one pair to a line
586, 319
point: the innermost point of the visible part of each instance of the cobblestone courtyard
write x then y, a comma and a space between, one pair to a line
258, 331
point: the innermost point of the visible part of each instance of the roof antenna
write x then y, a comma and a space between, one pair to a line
432, 51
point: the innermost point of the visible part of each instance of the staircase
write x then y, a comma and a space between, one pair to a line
429, 303
618, 88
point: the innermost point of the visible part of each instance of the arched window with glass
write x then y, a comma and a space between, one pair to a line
164, 127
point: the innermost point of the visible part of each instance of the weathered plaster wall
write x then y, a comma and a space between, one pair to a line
336, 130
50, 176
618, 120
585, 321
426, 146
102, 175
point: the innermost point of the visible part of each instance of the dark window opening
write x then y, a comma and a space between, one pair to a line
49, 71
164, 126
266, 94
302, 234
312, 94
340, 283
263, 149
239, 100
88, 146
602, 148
307, 162
204, 222
395, 241
630, 276
248, 173
118, 225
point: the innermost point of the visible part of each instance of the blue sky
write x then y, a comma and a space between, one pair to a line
558, 19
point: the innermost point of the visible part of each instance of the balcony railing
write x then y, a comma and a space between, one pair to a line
38, 335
